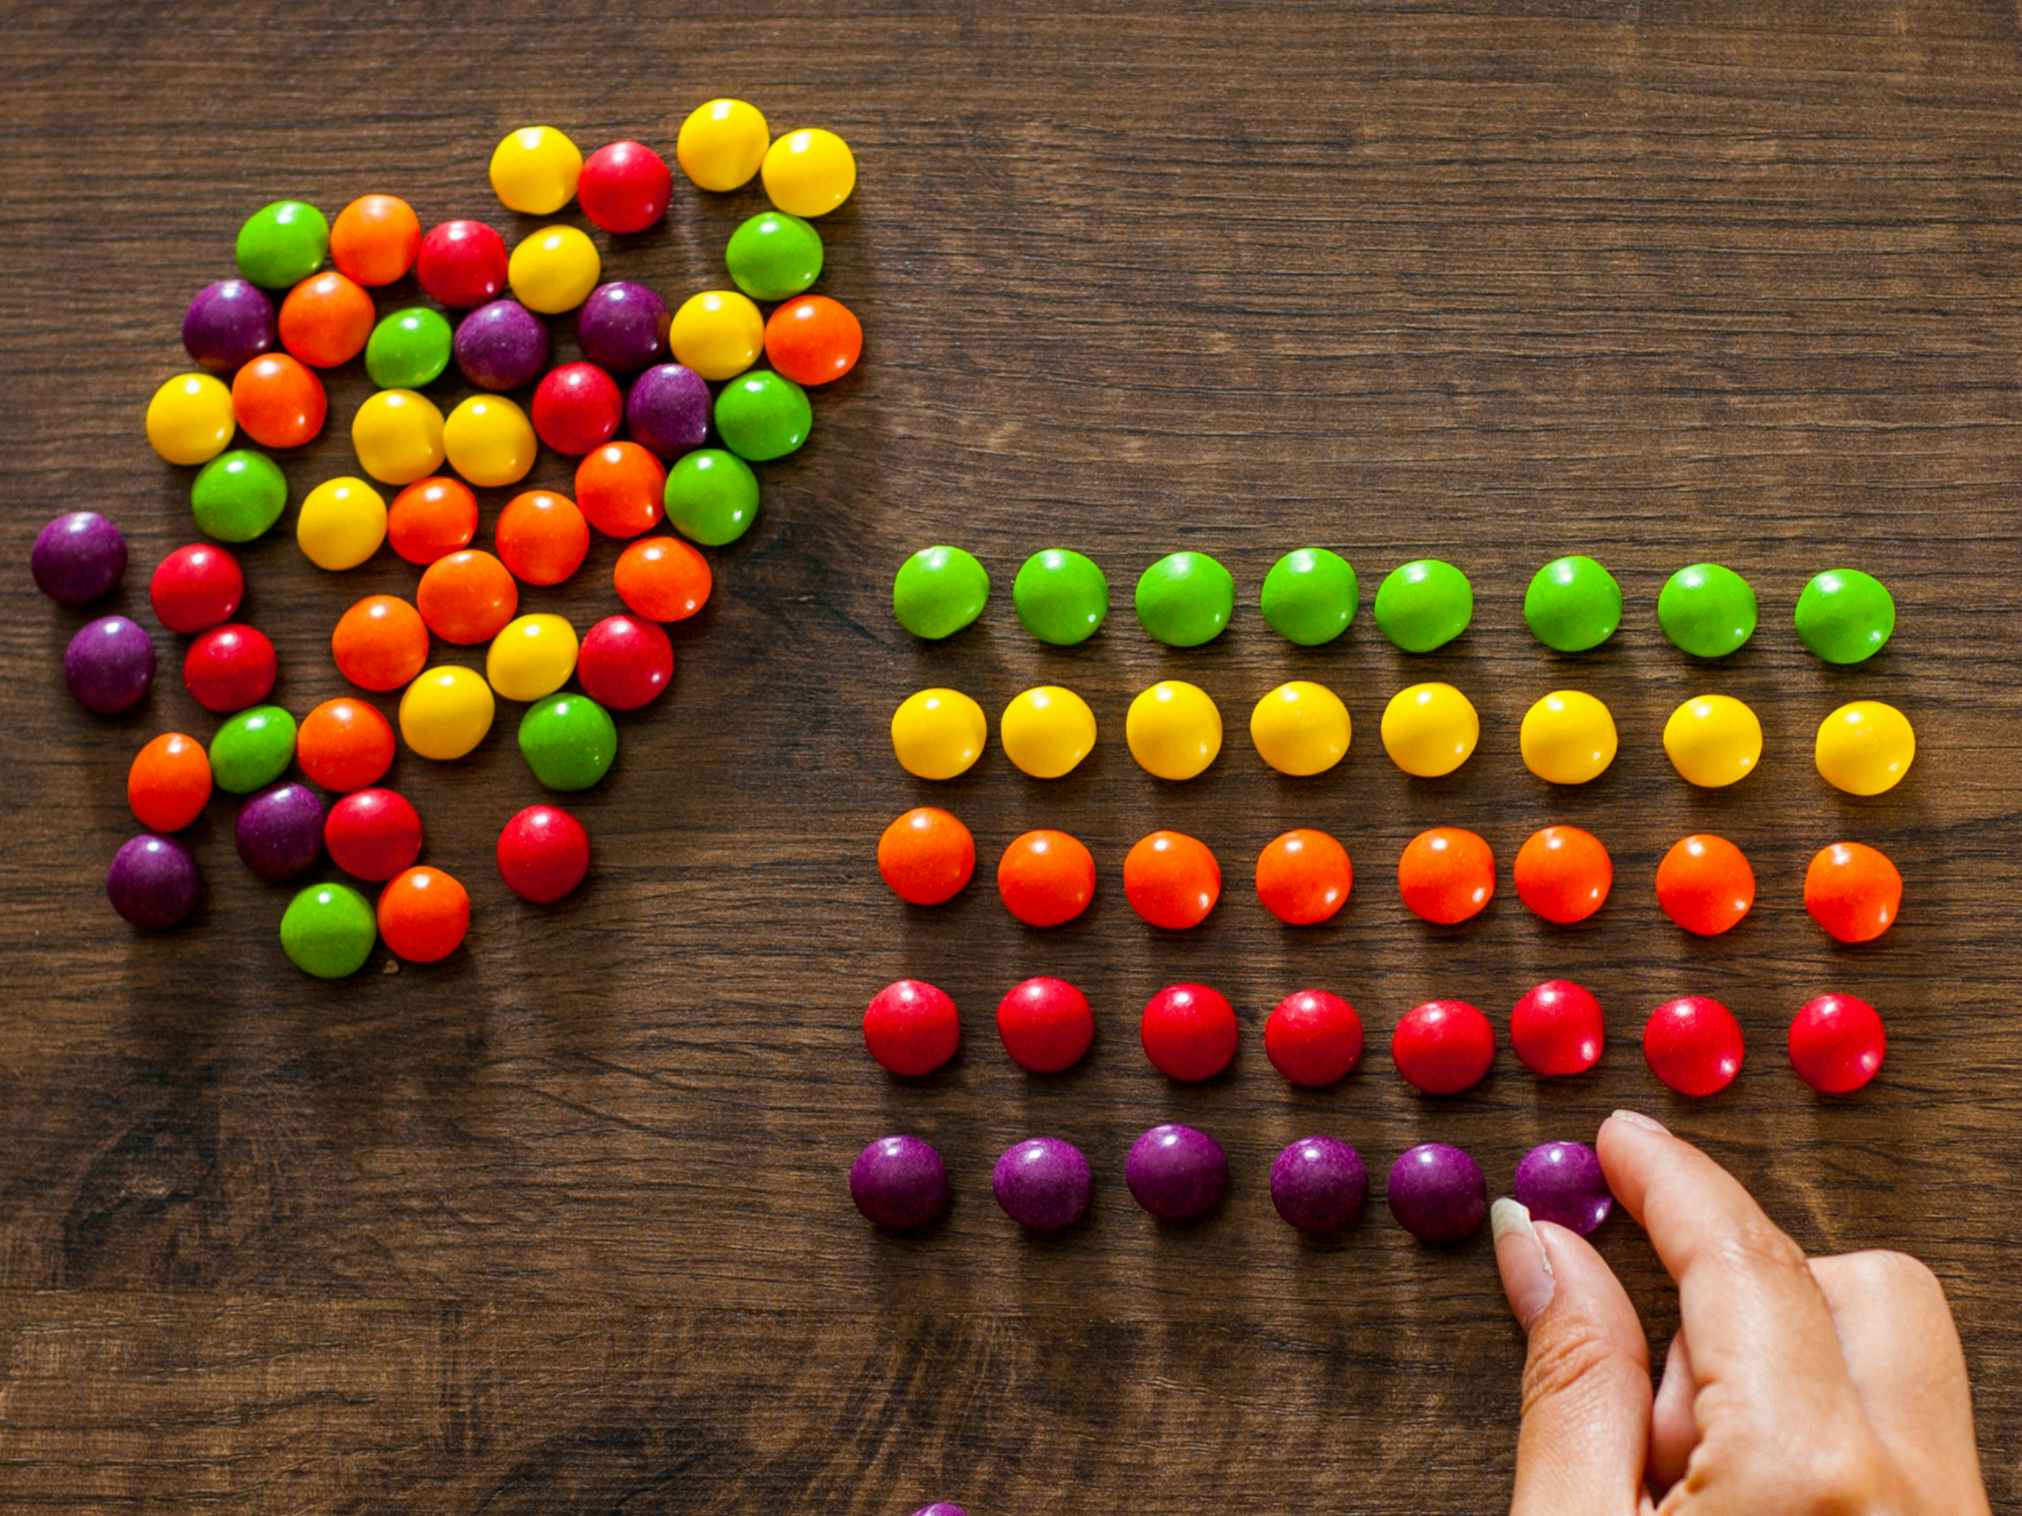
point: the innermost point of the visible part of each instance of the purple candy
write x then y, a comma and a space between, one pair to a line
501, 346
1318, 1184
1562, 1182
668, 410
109, 665
1437, 1193
280, 831
77, 557
1176, 1172
622, 326
152, 882
899, 1182
229, 323
1043, 1183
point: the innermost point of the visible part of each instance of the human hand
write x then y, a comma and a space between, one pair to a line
1794, 1385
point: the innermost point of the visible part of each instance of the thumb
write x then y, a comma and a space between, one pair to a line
1586, 1387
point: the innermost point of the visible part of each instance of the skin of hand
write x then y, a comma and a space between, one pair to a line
1803, 1387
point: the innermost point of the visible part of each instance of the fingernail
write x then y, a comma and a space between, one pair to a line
1520, 1258
1637, 1118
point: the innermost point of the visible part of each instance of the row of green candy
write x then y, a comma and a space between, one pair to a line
1310, 596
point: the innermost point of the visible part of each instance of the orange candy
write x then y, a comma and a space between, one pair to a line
1563, 873
1046, 878
621, 488
380, 643
375, 239
1304, 877
927, 856
344, 745
813, 339
169, 782
1172, 880
467, 597
541, 537
662, 578
1853, 891
278, 401
431, 519
1446, 874
326, 319
423, 914
1705, 884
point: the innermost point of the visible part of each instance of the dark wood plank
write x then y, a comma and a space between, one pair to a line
560, 1224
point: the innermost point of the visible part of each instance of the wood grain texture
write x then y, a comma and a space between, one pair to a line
560, 1225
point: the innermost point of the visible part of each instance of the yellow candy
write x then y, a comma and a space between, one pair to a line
397, 436
446, 712
554, 269
717, 333
1047, 730
721, 144
1713, 741
1300, 728
189, 420
809, 172
341, 524
534, 170
938, 734
489, 440
532, 657
1865, 748
1173, 729
1430, 729
1567, 738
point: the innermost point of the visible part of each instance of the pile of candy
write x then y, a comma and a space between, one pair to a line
671, 380
1446, 875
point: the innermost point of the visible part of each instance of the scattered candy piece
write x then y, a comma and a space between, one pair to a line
238, 496
938, 733
1043, 1183
718, 333
809, 172
1047, 730
569, 741
380, 643
489, 441
1177, 1173
1713, 741
227, 324
461, 264
1837, 1043
1705, 885
1562, 1182
325, 320
1853, 891
1319, 1185
252, 749
911, 1028
899, 1183
1693, 1044
1436, 1193
1568, 737
78, 557
541, 537
662, 579
927, 856
1707, 610
424, 915
189, 419
344, 745
1046, 878
1424, 604
813, 340
1557, 1029
620, 489
577, 407
432, 518
1309, 596
279, 401
938, 591
1446, 875
412, 347
501, 345
1563, 873
1304, 877
375, 239
773, 256
446, 712
625, 187
279, 831
373, 834
282, 243
1173, 729
109, 665
328, 931
543, 854
1313, 1038
466, 597
532, 656
169, 782
196, 587
721, 144
535, 170
1185, 599
153, 882
341, 524
1171, 880
761, 416
1430, 730
1865, 747
1573, 604
1045, 1024
1061, 596
1443, 1047
668, 410
711, 497
1300, 728
625, 662
397, 435
1845, 616
1189, 1032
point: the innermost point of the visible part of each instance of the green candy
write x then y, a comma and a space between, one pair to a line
1845, 616
408, 348
568, 741
1573, 603
774, 256
1424, 604
238, 496
328, 930
711, 496
1061, 596
253, 749
761, 416
1707, 610
1309, 596
282, 243
938, 591
1185, 599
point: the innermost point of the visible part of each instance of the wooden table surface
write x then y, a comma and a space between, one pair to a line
561, 1224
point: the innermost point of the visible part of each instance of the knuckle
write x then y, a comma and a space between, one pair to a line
1761, 1246
1563, 1362
1842, 1480
1897, 1275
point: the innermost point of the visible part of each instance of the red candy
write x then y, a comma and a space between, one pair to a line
1046, 878
1837, 1043
1313, 1038
625, 662
1705, 884
1046, 1025
423, 915
372, 834
344, 745
1563, 873
230, 667
543, 853
196, 587
1853, 891
461, 263
1557, 1029
1303, 877
1693, 1044
927, 856
1443, 1046
577, 407
1189, 1032
1446, 874
625, 187
1172, 880
911, 1028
